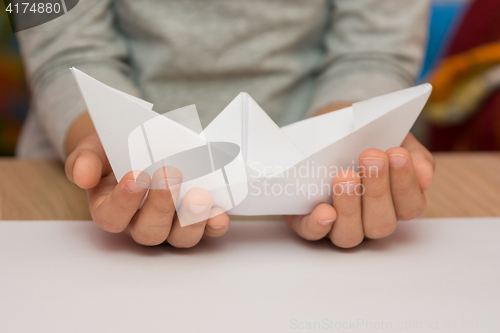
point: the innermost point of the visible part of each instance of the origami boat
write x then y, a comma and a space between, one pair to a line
248, 164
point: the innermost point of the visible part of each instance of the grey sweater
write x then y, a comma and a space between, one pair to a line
291, 56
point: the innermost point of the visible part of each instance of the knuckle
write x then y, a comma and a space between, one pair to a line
311, 238
401, 187
349, 211
148, 240
183, 243
149, 233
307, 232
309, 235
216, 232
376, 192
108, 225
123, 205
348, 242
381, 231
410, 214
162, 201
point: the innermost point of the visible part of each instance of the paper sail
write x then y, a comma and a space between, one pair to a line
246, 162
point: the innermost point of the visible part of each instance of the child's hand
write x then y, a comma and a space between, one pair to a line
115, 206
392, 191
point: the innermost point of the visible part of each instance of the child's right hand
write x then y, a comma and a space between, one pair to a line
115, 206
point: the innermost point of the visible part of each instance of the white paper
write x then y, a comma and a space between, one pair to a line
261, 277
266, 177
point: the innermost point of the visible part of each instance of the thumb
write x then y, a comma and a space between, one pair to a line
87, 163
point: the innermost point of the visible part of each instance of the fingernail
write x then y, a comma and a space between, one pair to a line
326, 222
166, 184
216, 227
397, 160
136, 186
373, 165
197, 209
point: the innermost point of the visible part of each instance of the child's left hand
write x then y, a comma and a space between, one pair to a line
393, 192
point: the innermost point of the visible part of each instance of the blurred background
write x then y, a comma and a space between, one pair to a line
462, 63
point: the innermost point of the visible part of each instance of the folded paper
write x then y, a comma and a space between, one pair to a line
249, 165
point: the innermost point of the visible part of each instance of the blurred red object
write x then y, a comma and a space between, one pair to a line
479, 27
14, 96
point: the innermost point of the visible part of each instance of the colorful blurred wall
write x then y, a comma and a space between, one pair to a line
14, 97
463, 113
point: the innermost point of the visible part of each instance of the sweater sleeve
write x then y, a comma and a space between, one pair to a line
372, 47
85, 37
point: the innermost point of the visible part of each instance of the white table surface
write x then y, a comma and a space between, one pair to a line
436, 275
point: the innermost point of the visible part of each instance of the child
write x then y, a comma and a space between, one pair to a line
295, 58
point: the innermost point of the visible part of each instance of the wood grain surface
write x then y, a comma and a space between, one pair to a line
465, 185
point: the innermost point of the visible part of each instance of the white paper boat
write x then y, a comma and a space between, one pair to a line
285, 170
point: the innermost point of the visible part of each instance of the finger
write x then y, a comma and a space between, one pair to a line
424, 170
88, 163
151, 225
409, 201
315, 225
114, 205
347, 231
379, 216
411, 144
217, 224
196, 207
423, 161
87, 169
